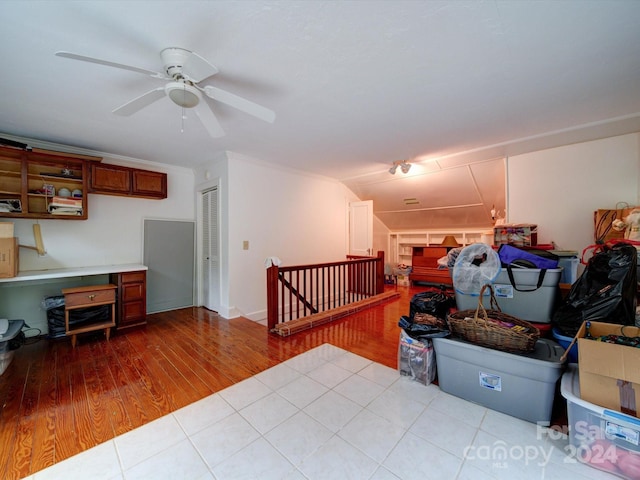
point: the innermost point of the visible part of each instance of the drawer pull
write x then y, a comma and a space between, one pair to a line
91, 297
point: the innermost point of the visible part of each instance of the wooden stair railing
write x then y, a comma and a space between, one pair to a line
297, 291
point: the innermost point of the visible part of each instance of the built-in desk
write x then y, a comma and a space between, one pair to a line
21, 296
73, 272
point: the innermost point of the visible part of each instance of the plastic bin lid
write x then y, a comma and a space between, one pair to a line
545, 350
14, 328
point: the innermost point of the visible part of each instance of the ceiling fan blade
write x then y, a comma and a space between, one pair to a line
83, 58
208, 119
240, 103
197, 68
139, 103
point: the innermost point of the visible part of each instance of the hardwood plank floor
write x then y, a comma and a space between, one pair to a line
58, 401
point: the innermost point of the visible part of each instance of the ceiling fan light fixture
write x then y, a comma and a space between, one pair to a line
393, 169
183, 94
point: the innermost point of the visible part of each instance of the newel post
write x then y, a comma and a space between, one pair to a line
272, 297
380, 272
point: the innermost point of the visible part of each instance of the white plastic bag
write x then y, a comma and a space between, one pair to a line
477, 265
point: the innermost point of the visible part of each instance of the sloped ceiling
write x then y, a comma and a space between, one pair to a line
430, 196
356, 85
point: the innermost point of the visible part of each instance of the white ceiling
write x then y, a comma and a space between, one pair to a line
355, 86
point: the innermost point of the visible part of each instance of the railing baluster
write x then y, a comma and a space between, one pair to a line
322, 286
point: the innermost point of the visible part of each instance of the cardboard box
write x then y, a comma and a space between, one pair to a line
6, 229
8, 257
609, 373
603, 223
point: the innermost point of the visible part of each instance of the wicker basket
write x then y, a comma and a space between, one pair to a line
492, 328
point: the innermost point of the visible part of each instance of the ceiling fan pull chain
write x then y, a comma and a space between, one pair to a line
183, 113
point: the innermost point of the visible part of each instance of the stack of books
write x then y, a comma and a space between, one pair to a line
65, 206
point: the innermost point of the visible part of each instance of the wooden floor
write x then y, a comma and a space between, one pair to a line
58, 401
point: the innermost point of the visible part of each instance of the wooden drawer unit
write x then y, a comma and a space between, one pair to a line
132, 298
86, 297
89, 296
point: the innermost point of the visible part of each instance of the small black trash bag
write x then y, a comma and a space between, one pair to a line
424, 331
436, 302
54, 306
605, 292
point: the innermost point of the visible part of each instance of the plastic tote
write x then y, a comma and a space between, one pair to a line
604, 439
520, 296
522, 386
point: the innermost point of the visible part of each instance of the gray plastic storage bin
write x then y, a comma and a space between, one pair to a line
522, 386
6, 355
533, 304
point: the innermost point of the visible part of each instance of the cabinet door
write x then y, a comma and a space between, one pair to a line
149, 184
110, 179
132, 298
133, 313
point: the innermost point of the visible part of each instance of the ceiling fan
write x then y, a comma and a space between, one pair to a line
183, 71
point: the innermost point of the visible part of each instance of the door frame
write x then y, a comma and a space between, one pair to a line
200, 191
367, 207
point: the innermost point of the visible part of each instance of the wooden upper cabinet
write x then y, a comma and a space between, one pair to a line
125, 181
42, 184
149, 184
110, 179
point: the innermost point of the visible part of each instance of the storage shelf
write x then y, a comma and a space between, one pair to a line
23, 173
54, 178
401, 243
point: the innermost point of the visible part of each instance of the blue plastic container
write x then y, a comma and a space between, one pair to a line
565, 342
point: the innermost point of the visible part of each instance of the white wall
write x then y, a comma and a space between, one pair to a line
381, 238
559, 189
296, 217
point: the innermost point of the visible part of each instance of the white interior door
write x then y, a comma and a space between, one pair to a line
361, 228
210, 251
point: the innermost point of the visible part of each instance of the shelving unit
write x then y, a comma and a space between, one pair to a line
30, 179
401, 243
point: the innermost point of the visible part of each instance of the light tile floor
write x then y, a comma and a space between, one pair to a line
329, 414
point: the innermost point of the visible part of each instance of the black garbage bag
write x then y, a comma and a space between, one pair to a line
55, 316
605, 292
423, 331
436, 302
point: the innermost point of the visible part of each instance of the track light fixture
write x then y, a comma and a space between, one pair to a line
404, 167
